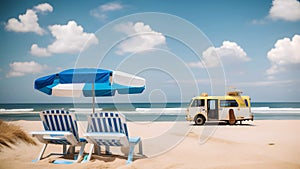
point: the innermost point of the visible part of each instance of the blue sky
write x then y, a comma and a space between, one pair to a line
257, 42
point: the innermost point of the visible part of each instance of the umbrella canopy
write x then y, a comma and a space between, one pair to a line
89, 82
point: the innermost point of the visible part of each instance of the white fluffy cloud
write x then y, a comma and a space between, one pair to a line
45, 7
28, 22
285, 10
140, 38
284, 55
37, 51
112, 6
229, 53
101, 11
23, 68
69, 38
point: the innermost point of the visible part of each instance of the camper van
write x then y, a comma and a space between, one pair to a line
230, 108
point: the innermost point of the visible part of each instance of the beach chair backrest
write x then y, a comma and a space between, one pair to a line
59, 120
113, 122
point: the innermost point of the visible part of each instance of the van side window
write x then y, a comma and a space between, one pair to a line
228, 103
198, 103
246, 102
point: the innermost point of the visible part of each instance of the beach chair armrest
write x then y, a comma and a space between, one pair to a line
55, 135
134, 140
92, 136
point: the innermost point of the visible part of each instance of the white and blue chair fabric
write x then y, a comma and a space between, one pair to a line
110, 129
60, 128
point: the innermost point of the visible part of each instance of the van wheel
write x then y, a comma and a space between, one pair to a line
232, 119
199, 120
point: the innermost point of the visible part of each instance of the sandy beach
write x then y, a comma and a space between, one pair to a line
257, 144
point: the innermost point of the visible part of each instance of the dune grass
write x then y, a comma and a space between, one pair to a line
11, 134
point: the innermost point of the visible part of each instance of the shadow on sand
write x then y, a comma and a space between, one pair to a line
213, 123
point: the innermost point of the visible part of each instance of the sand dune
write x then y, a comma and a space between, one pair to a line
11, 134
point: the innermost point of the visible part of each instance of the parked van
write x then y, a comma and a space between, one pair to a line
231, 108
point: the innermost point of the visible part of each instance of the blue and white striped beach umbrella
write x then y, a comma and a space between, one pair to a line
89, 82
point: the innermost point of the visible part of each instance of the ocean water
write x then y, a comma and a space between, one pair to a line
144, 111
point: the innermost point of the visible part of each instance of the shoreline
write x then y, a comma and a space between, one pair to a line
257, 144
144, 117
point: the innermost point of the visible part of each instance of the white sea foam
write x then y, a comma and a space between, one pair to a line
165, 111
275, 110
84, 110
169, 111
16, 111
31, 110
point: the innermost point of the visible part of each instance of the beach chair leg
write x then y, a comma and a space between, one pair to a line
97, 149
41, 153
107, 150
130, 154
141, 148
77, 158
71, 149
80, 152
88, 158
64, 149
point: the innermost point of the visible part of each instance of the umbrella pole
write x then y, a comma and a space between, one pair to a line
93, 94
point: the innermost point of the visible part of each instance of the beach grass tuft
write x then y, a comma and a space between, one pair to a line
11, 134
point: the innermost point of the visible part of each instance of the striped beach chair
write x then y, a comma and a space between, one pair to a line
60, 127
110, 129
